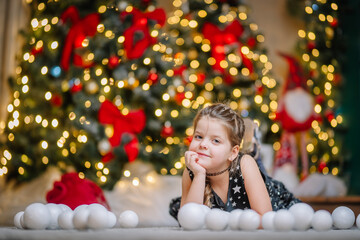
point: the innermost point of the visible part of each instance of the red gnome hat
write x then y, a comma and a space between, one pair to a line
296, 107
74, 191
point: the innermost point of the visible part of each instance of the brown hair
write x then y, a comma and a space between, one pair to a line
235, 128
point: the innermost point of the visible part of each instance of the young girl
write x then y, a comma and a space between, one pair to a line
218, 175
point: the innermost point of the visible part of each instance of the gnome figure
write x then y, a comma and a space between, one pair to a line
295, 113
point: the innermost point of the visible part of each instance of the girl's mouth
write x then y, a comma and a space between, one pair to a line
203, 155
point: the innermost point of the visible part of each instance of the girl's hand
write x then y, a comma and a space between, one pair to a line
192, 162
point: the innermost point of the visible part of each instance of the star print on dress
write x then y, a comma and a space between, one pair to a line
236, 189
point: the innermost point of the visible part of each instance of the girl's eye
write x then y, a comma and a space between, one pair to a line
197, 137
216, 141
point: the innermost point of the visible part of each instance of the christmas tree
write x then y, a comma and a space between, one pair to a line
321, 51
88, 94
99, 84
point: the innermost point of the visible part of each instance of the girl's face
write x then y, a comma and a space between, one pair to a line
211, 143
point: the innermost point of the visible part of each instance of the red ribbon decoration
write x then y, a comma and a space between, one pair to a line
140, 24
81, 28
131, 124
220, 38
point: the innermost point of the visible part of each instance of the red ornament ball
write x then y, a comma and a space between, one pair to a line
153, 78
320, 99
76, 87
337, 79
56, 100
179, 97
311, 45
200, 78
167, 131
334, 23
34, 51
329, 115
113, 62
188, 140
260, 90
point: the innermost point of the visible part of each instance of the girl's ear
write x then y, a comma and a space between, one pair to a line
234, 153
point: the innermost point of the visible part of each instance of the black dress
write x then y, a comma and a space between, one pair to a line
237, 197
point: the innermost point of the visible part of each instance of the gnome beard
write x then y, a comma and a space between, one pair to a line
299, 105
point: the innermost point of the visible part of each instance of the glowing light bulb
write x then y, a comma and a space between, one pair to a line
136, 181
54, 45
44, 144
48, 95
158, 112
127, 173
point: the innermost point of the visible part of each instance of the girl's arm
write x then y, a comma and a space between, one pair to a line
192, 191
255, 186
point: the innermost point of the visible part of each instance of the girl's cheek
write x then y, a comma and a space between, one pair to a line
192, 145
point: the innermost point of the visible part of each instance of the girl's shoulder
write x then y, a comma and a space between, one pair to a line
241, 163
246, 159
248, 164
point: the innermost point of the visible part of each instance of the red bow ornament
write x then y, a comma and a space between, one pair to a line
219, 39
130, 124
81, 28
135, 49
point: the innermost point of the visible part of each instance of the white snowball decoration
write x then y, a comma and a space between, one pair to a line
80, 217
191, 216
55, 211
128, 219
80, 207
303, 214
36, 216
249, 220
64, 207
205, 208
234, 219
343, 217
284, 220
98, 218
322, 221
22, 221
267, 220
96, 206
17, 219
358, 221
111, 221
216, 219
65, 220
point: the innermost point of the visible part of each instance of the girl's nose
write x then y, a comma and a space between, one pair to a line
204, 144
